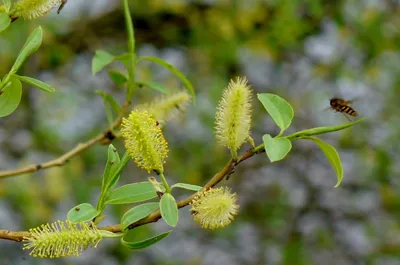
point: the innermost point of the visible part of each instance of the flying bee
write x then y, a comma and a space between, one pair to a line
343, 106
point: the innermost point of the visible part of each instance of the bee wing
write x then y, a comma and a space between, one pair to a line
353, 100
347, 117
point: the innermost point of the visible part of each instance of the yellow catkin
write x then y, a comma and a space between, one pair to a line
233, 117
61, 239
144, 141
214, 208
167, 107
31, 9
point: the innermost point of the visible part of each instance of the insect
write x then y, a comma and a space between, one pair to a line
343, 106
63, 2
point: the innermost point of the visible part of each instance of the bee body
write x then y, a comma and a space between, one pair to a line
341, 105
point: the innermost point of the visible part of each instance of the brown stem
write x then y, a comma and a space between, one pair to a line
18, 236
105, 137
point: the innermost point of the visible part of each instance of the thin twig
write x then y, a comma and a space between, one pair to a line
106, 136
18, 236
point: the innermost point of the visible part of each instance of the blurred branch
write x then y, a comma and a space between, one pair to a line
229, 169
105, 137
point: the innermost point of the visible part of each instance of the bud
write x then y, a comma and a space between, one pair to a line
61, 239
233, 117
144, 141
31, 9
214, 208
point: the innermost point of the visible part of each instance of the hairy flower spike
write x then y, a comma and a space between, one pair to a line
61, 239
233, 117
167, 107
31, 9
214, 208
144, 141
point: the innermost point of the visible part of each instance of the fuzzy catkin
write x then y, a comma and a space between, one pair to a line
233, 117
31, 9
61, 239
144, 141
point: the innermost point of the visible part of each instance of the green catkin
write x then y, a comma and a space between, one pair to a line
61, 239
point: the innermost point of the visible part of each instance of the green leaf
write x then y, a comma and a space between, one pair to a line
145, 243
276, 148
137, 213
82, 213
4, 21
118, 77
131, 193
187, 186
109, 178
169, 209
110, 106
36, 83
156, 86
111, 174
31, 45
100, 60
321, 130
175, 71
125, 58
10, 97
280, 110
332, 156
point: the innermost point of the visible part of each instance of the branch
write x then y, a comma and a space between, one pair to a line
155, 216
106, 136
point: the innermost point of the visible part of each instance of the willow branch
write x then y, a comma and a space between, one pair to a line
18, 236
105, 137
225, 172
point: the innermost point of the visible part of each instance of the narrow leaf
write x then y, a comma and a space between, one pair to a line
100, 60
187, 186
82, 213
276, 148
109, 180
36, 83
131, 193
111, 106
145, 243
118, 77
111, 177
10, 97
137, 213
332, 156
4, 21
280, 110
31, 45
156, 86
321, 130
171, 68
169, 209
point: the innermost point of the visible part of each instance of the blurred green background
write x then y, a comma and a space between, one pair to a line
290, 214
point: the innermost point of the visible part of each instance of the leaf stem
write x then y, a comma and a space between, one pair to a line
321, 130
164, 181
131, 49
